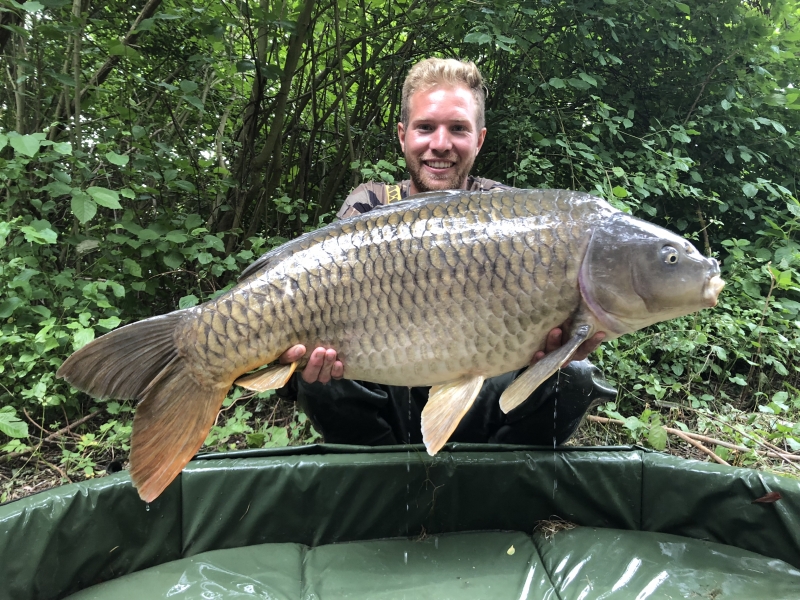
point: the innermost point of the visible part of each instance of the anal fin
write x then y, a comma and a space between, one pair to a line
524, 385
271, 378
447, 405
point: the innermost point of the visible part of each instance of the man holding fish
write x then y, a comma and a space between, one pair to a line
441, 132
455, 290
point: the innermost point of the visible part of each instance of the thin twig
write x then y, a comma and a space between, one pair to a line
54, 468
53, 435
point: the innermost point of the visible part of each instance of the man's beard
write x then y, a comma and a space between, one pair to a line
426, 182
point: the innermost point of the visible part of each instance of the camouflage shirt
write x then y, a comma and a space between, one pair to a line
371, 194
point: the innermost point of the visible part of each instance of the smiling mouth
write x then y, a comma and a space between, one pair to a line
439, 164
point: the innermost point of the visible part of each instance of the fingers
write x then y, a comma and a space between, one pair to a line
322, 366
589, 346
555, 339
551, 343
293, 354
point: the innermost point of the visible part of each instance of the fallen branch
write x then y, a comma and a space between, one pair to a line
697, 445
690, 438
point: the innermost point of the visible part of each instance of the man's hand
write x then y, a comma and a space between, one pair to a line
322, 364
554, 342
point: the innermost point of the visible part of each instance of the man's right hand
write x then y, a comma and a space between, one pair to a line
322, 364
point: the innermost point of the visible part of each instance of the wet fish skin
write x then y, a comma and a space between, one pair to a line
410, 296
439, 290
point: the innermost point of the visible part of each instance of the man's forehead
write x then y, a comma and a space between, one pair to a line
455, 102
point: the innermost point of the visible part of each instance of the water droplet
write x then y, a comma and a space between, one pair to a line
406, 557
147, 507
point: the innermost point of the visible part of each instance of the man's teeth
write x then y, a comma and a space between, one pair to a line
439, 164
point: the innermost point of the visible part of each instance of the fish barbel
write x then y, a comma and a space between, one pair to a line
444, 290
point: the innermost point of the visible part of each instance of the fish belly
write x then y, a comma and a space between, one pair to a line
418, 294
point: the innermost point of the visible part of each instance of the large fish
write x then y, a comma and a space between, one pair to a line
446, 290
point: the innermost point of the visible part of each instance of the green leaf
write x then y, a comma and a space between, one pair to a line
83, 207
194, 101
682, 7
117, 159
173, 259
620, 192
104, 197
725, 104
477, 37
176, 236
123, 50
109, 323
188, 301
132, 267
32, 7
588, 79
82, 337
749, 190
187, 85
657, 437
10, 424
245, 65
56, 189
557, 83
87, 246
618, 172
63, 148
25, 144
127, 193
8, 306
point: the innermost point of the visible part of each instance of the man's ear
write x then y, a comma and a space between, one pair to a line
481, 137
401, 135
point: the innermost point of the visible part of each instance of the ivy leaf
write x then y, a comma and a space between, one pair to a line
83, 207
10, 424
25, 144
117, 159
104, 197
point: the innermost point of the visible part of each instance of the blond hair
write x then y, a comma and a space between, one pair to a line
444, 71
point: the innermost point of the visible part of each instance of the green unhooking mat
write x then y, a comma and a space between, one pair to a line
321, 522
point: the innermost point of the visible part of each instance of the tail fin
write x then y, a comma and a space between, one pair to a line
140, 361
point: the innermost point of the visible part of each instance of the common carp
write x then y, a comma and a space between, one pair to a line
445, 290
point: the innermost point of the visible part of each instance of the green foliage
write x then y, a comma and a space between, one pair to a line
216, 132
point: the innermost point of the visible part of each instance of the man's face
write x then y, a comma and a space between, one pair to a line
442, 138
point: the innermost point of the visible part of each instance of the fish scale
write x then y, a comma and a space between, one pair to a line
473, 262
442, 290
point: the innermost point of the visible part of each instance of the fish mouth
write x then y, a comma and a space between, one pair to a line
713, 288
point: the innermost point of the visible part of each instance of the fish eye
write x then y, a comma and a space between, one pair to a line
670, 255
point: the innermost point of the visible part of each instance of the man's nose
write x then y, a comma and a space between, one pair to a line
440, 140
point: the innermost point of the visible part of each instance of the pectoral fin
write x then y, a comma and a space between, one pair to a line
271, 378
447, 405
534, 376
